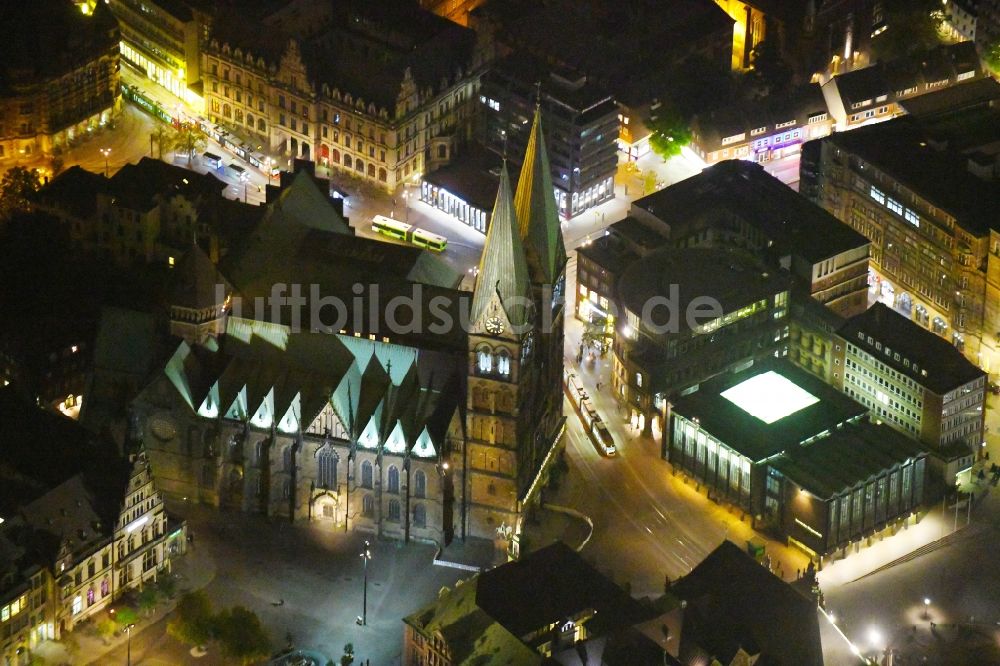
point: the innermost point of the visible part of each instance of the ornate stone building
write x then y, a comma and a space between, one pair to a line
420, 434
290, 85
58, 76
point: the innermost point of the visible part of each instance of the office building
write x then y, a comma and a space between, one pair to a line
466, 188
59, 77
740, 434
923, 192
737, 204
680, 325
917, 383
382, 92
581, 121
162, 40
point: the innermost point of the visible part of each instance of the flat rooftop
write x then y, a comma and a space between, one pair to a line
732, 278
743, 189
849, 456
925, 357
473, 176
767, 408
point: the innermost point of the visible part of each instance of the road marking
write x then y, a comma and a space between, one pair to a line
649, 530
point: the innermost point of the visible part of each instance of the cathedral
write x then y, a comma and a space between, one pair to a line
411, 434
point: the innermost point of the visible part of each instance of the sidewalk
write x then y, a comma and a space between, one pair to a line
194, 570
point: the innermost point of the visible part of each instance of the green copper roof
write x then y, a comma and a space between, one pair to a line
503, 269
537, 214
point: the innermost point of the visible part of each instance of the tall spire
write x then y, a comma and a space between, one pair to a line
503, 270
535, 205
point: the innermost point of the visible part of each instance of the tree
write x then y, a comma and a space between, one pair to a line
770, 71
991, 55
147, 599
241, 634
106, 628
348, 657
166, 586
669, 132
188, 139
16, 189
162, 137
910, 26
192, 621
125, 615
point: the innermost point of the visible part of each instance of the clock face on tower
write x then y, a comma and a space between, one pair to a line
494, 325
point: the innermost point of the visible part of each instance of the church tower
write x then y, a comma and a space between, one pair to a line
199, 298
500, 321
541, 233
514, 415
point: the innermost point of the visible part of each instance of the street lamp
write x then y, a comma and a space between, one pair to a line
366, 555
927, 608
105, 152
128, 651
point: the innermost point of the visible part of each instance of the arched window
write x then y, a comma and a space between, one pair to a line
105, 586
359, 166
382, 175
286, 489
327, 468
394, 510
261, 125
484, 360
368, 505
90, 596
347, 161
286, 457
419, 516
503, 363
371, 170
250, 120
227, 111
419, 484
366, 474
393, 479
335, 156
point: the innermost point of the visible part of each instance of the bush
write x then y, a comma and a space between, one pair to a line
192, 621
242, 635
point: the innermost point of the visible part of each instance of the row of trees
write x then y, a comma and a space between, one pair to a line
237, 630
186, 139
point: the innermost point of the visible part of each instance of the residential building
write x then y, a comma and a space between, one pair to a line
289, 81
581, 120
731, 610
162, 39
737, 204
495, 617
49, 101
679, 326
741, 434
873, 94
773, 128
961, 21
424, 431
147, 212
916, 190
917, 383
77, 532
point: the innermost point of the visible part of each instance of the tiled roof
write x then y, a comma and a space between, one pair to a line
503, 269
535, 206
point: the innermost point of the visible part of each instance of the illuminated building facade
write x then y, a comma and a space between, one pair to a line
161, 39
749, 30
774, 441
910, 187
581, 120
773, 128
915, 382
419, 435
75, 536
662, 352
873, 94
290, 84
59, 77
466, 188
